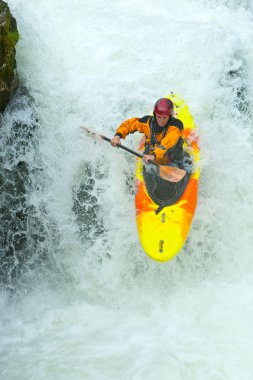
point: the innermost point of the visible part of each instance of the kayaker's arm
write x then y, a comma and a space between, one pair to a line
167, 142
129, 126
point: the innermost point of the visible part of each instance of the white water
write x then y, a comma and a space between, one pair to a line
104, 310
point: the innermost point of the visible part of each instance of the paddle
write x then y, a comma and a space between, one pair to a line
169, 173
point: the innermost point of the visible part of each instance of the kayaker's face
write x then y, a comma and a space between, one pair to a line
162, 120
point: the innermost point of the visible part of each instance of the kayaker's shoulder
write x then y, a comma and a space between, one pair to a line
144, 119
177, 123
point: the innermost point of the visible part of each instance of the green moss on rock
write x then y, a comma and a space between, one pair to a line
9, 36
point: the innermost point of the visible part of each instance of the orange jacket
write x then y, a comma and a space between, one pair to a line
142, 125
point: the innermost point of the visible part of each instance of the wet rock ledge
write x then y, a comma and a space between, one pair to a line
9, 36
20, 230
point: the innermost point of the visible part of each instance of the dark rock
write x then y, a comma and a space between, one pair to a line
8, 38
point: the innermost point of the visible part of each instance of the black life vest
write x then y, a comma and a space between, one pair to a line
176, 151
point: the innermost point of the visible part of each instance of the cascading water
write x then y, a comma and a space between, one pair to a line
85, 301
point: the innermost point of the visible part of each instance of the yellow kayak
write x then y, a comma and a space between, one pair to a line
163, 225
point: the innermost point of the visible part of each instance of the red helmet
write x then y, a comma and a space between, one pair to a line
163, 107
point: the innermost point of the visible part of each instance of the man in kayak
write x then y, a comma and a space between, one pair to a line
163, 132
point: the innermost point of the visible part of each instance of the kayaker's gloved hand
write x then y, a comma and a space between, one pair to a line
147, 158
115, 141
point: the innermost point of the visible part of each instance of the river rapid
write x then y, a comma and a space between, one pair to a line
93, 306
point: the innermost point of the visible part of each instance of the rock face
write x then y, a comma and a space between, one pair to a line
8, 38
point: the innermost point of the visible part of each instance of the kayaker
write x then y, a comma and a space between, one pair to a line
163, 132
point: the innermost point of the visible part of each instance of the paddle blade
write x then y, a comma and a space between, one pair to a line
171, 173
89, 132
